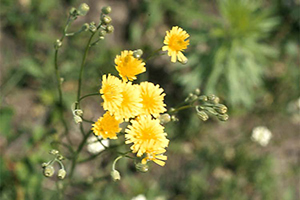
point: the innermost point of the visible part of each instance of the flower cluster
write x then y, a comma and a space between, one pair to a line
139, 104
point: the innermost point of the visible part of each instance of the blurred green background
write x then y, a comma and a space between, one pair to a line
244, 51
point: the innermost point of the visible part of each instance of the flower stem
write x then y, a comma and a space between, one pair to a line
82, 67
74, 160
154, 53
88, 95
60, 101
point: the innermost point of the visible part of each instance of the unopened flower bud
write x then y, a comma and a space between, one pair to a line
216, 100
223, 117
73, 11
137, 53
53, 152
60, 157
110, 28
49, 171
106, 19
202, 115
93, 27
83, 9
164, 118
142, 167
77, 119
44, 165
101, 38
203, 98
174, 118
197, 91
115, 175
85, 27
220, 108
61, 174
106, 10
172, 110
102, 32
57, 44
211, 110
211, 97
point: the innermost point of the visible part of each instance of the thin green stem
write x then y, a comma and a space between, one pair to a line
181, 108
74, 160
60, 101
154, 53
82, 67
88, 95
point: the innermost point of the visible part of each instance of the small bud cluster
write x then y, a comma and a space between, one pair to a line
48, 169
105, 19
206, 106
82, 10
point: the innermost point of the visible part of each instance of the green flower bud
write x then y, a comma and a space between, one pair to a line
216, 100
73, 11
172, 110
60, 157
211, 97
197, 91
54, 152
61, 174
101, 38
106, 19
142, 167
203, 98
202, 115
110, 28
93, 27
57, 44
44, 165
164, 118
174, 118
49, 171
83, 9
137, 53
115, 175
220, 108
85, 27
223, 117
106, 10
102, 32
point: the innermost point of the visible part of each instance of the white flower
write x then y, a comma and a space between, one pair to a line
94, 146
139, 197
261, 135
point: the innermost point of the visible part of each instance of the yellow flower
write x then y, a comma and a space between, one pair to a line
152, 99
111, 93
155, 156
146, 134
107, 126
131, 102
175, 42
129, 66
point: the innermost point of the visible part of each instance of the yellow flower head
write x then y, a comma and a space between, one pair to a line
129, 66
107, 126
175, 42
131, 102
146, 134
152, 99
111, 93
155, 156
